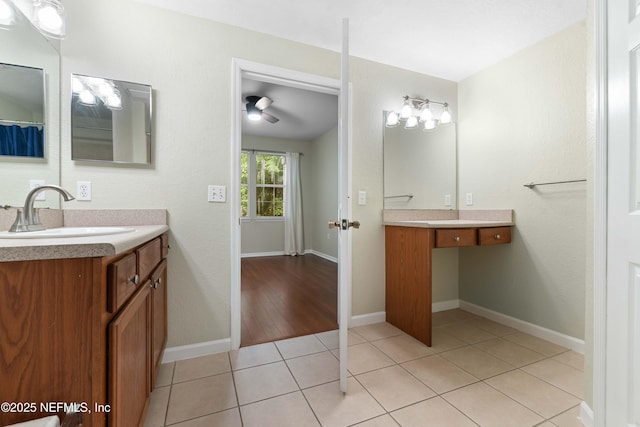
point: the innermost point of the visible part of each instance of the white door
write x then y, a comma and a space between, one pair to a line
622, 354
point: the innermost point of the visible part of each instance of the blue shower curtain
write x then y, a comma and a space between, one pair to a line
21, 141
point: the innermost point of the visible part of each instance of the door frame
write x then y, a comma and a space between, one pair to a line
271, 74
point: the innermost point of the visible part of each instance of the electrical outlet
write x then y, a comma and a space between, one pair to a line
469, 199
83, 190
447, 199
217, 193
35, 183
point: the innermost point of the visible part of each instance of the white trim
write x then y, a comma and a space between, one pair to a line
445, 305
600, 216
367, 319
586, 414
259, 254
567, 341
242, 68
321, 255
182, 352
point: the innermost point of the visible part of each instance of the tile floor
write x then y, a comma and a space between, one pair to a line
477, 372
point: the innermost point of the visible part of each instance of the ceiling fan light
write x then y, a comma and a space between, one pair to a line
253, 113
392, 119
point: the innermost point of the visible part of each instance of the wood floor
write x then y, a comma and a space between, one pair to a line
285, 297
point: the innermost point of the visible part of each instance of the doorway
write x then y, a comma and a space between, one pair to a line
300, 291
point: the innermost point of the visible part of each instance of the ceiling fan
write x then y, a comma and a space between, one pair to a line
256, 106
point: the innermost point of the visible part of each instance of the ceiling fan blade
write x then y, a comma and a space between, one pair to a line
269, 118
263, 103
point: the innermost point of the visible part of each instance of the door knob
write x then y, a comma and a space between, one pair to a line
344, 224
354, 224
334, 224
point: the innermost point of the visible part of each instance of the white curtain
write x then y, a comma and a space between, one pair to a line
293, 236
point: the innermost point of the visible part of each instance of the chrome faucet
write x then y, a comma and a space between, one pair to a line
28, 219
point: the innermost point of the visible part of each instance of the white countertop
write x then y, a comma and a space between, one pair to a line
77, 247
449, 223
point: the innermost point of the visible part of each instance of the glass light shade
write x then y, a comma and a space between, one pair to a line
6, 13
87, 98
429, 124
412, 122
114, 101
426, 114
105, 89
49, 17
253, 113
392, 119
445, 117
406, 111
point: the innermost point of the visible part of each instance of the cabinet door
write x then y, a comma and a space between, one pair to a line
158, 318
129, 360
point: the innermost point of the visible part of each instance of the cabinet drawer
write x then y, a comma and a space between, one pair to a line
494, 235
149, 256
122, 281
454, 237
165, 245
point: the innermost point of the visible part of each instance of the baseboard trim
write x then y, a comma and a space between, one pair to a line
586, 414
570, 342
190, 351
321, 255
259, 254
445, 305
367, 319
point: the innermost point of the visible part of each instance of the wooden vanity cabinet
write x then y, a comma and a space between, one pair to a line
409, 265
83, 330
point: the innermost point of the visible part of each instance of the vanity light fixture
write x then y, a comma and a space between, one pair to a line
49, 18
6, 14
417, 110
90, 89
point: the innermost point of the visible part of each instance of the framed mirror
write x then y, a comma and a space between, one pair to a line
110, 120
21, 111
420, 167
30, 100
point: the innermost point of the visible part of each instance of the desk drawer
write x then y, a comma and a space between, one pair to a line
456, 237
494, 235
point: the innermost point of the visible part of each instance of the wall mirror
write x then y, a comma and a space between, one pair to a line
21, 111
110, 121
29, 93
421, 164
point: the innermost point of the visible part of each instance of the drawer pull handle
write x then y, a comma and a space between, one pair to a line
135, 279
457, 238
496, 236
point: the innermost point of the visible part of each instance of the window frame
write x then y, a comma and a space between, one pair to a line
252, 186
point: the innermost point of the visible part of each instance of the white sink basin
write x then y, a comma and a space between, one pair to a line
54, 233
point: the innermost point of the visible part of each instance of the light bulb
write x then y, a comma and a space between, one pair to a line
429, 124
105, 89
392, 119
412, 122
445, 117
426, 113
49, 16
253, 113
76, 85
406, 111
87, 98
114, 101
6, 13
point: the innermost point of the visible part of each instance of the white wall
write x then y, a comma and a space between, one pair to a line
188, 62
523, 120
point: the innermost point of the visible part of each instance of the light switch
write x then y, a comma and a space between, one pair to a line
217, 193
362, 197
447, 199
469, 199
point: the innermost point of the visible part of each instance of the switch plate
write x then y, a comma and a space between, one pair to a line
35, 183
469, 199
362, 197
217, 193
83, 191
447, 199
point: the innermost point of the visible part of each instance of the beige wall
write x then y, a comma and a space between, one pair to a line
188, 62
522, 120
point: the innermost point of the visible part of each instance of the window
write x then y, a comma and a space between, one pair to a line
262, 185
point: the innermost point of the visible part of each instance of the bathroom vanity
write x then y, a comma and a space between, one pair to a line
83, 320
410, 238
